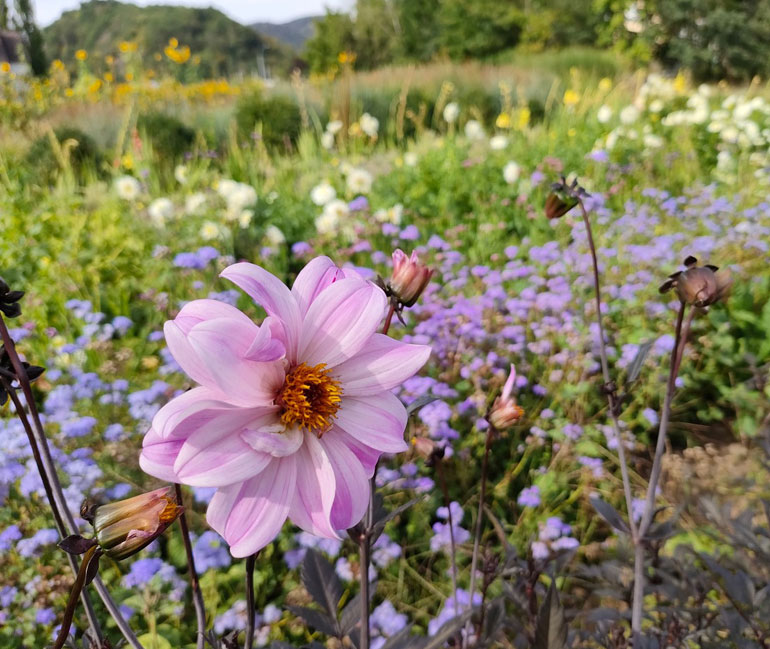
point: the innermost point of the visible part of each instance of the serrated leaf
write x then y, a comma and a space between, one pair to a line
551, 629
321, 581
317, 620
636, 365
609, 514
420, 402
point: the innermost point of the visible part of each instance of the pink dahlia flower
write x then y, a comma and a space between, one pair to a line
291, 415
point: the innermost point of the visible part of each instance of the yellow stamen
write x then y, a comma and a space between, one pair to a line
170, 511
310, 398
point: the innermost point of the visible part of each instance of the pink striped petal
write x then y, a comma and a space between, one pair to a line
188, 411
340, 322
317, 275
273, 295
352, 490
367, 456
273, 439
158, 456
266, 347
382, 364
250, 515
216, 456
377, 421
311, 508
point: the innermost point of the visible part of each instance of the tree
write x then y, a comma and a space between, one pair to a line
419, 28
24, 21
478, 28
333, 34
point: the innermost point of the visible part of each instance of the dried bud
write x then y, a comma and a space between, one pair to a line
557, 205
427, 449
125, 527
9, 300
409, 278
8, 372
504, 412
699, 286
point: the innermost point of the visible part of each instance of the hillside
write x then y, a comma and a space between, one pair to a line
225, 47
294, 33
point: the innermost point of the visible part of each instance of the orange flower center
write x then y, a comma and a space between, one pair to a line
310, 398
170, 512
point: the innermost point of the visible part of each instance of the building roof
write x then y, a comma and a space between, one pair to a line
10, 42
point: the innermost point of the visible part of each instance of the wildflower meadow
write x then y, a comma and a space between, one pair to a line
407, 359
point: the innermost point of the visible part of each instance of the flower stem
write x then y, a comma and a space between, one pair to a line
649, 505
477, 533
363, 569
59, 502
197, 595
251, 562
447, 504
75, 593
388, 319
608, 388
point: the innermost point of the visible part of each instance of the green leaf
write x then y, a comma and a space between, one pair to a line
154, 641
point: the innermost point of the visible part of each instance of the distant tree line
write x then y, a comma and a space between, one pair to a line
20, 17
715, 39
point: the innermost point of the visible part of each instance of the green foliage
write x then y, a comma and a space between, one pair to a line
72, 147
333, 34
24, 21
479, 28
170, 138
276, 117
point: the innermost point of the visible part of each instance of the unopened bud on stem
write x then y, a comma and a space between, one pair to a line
409, 278
504, 412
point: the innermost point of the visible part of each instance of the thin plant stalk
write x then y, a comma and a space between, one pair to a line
364, 539
77, 590
251, 562
649, 505
477, 533
197, 595
59, 501
452, 544
611, 394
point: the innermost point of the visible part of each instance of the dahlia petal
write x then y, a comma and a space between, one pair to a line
266, 348
198, 311
221, 345
382, 364
158, 456
249, 515
367, 455
318, 274
273, 295
340, 322
311, 508
378, 421
272, 440
185, 355
352, 486
188, 411
216, 456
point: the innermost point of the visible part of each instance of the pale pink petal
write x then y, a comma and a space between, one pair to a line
311, 508
365, 454
381, 365
216, 456
508, 387
193, 407
198, 311
378, 421
273, 439
318, 274
340, 322
221, 345
158, 456
273, 295
265, 347
352, 490
250, 515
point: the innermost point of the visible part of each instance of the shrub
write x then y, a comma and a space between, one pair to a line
169, 137
43, 161
277, 115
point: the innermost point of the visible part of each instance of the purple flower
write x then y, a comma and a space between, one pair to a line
142, 571
78, 427
29, 547
45, 616
210, 551
529, 496
301, 248
358, 204
409, 233
452, 609
650, 415
8, 536
7, 595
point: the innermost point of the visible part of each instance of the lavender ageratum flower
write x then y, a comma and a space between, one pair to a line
452, 608
142, 571
210, 551
385, 622
291, 416
529, 496
7, 595
233, 619
442, 540
8, 537
45, 616
29, 547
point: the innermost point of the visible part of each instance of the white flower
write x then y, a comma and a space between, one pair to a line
334, 127
244, 218
237, 195
369, 124
451, 112
629, 115
498, 142
160, 210
511, 172
274, 235
474, 130
656, 105
410, 159
359, 181
327, 140
210, 230
322, 193
194, 203
180, 173
127, 187
329, 219
652, 141
604, 114
391, 215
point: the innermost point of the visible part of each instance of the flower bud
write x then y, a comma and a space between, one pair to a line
557, 205
699, 286
504, 412
409, 278
125, 527
427, 449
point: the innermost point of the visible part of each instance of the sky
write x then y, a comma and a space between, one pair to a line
244, 11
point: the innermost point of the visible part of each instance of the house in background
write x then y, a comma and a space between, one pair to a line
11, 48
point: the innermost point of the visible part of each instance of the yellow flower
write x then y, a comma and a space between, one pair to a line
69, 92
180, 55
503, 121
5, 67
157, 56
571, 98
605, 85
173, 42
524, 116
680, 83
108, 77
81, 55
57, 65
572, 132
127, 46
95, 86
109, 59
129, 76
